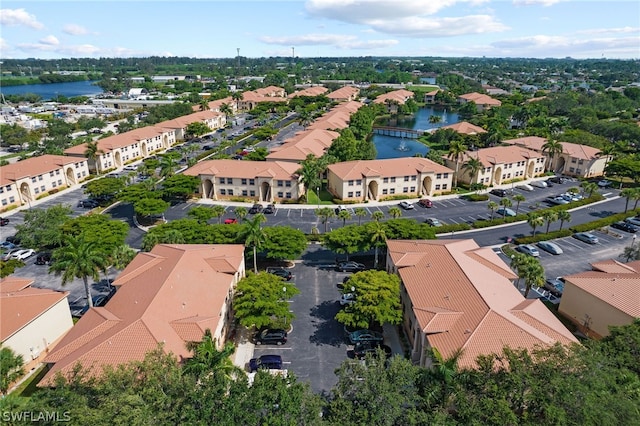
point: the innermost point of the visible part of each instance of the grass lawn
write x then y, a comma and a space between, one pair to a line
325, 197
28, 387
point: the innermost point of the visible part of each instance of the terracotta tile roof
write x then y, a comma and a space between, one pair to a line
386, 168
401, 96
346, 92
313, 141
120, 140
464, 296
613, 266
501, 155
245, 169
20, 304
465, 128
35, 166
309, 91
164, 296
217, 104
581, 152
531, 142
185, 120
480, 99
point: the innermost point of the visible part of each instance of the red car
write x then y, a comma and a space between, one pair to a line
230, 221
425, 203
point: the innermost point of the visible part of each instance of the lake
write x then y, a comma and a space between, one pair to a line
53, 90
395, 147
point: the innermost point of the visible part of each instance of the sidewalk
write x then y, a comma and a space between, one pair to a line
244, 349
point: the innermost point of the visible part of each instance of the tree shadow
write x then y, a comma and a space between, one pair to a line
327, 331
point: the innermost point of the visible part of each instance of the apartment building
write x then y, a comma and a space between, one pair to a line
251, 98
312, 91
344, 94
483, 102
393, 99
377, 180
296, 149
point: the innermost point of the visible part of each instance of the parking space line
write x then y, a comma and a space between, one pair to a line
275, 212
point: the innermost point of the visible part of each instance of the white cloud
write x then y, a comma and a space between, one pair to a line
560, 46
439, 27
622, 30
4, 45
536, 2
74, 29
337, 40
49, 40
18, 17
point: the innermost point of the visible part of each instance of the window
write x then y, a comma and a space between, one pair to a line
245, 193
40, 177
59, 181
437, 186
406, 178
252, 181
572, 169
230, 182
222, 181
1, 190
350, 194
12, 199
252, 193
53, 185
57, 172
79, 175
223, 192
280, 183
350, 183
358, 193
385, 180
280, 194
446, 175
243, 181
50, 174
359, 182
288, 195
33, 179
413, 189
405, 189
385, 191
573, 160
581, 162
230, 192
439, 176
444, 186
413, 178
37, 190
392, 191
393, 180
4, 202
287, 184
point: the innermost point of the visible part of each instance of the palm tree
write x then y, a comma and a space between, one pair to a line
377, 237
204, 104
435, 119
218, 211
254, 236
325, 213
240, 212
636, 197
309, 173
78, 258
443, 378
518, 198
226, 110
589, 188
492, 205
344, 215
505, 203
529, 269
395, 212
563, 216
552, 147
549, 216
11, 368
534, 221
207, 359
456, 153
627, 193
377, 215
121, 256
92, 152
304, 118
167, 165
473, 166
360, 212
237, 97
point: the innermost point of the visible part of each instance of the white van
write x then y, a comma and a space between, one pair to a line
539, 184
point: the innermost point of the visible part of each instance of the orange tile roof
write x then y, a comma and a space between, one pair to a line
501, 155
313, 141
463, 298
309, 91
35, 166
386, 168
185, 120
245, 169
466, 128
20, 304
346, 92
165, 296
399, 96
480, 99
120, 140
581, 152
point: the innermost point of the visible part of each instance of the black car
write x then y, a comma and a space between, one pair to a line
625, 226
557, 179
266, 362
269, 209
256, 208
271, 336
88, 204
498, 192
4, 221
361, 349
13, 239
350, 267
43, 258
281, 272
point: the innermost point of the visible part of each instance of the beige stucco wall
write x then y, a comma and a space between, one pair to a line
34, 339
581, 168
255, 191
119, 157
226, 313
581, 307
507, 171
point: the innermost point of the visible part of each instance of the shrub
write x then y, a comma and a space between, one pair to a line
339, 201
397, 197
54, 190
542, 237
599, 223
498, 220
477, 197
453, 227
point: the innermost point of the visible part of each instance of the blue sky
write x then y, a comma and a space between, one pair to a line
314, 28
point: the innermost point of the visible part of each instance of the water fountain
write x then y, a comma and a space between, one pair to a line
403, 146
444, 116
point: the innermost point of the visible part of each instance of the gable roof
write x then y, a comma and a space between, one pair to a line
309, 91
463, 298
466, 128
245, 169
480, 99
389, 167
168, 296
401, 96
501, 155
120, 140
346, 92
313, 141
581, 152
35, 166
337, 118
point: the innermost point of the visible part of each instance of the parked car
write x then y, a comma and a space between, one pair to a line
432, 221
281, 272
347, 299
406, 205
271, 336
339, 209
557, 179
23, 254
557, 200
502, 211
13, 239
230, 221
549, 183
266, 362
633, 220
6, 245
361, 349
88, 204
625, 226
525, 187
269, 209
256, 208
571, 197
539, 184
365, 335
43, 258
498, 192
555, 286
425, 203
529, 249
4, 221
9, 254
350, 267
550, 247
130, 168
604, 183
586, 237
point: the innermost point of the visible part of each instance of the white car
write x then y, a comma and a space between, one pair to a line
130, 168
406, 205
539, 184
525, 187
529, 249
347, 299
23, 254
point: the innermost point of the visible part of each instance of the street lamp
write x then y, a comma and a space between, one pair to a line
318, 195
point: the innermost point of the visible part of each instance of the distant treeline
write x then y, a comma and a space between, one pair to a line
42, 79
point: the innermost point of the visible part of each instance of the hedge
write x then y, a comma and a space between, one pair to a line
477, 197
543, 237
452, 227
498, 220
600, 223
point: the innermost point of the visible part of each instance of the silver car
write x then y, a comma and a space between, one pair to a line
550, 247
529, 249
586, 237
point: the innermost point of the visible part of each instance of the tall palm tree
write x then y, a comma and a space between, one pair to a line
627, 193
344, 215
121, 256
535, 221
505, 203
207, 359
492, 205
518, 198
456, 154
254, 236
226, 110
552, 147
237, 97
378, 236
532, 272
167, 165
92, 152
473, 166
443, 378
78, 258
589, 188
325, 213
395, 212
309, 172
360, 212
377, 215
549, 216
204, 104
218, 211
563, 216
636, 197
240, 213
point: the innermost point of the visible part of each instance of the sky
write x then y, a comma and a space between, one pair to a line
320, 28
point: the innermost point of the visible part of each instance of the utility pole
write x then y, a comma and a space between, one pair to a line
293, 53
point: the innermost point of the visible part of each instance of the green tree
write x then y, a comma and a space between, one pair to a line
505, 203
377, 215
8, 267
563, 216
41, 227
240, 213
456, 153
395, 212
534, 221
347, 240
492, 205
344, 147
309, 172
121, 256
377, 300
444, 379
552, 147
105, 187
180, 186
148, 207
518, 198
208, 360
78, 258
98, 229
344, 215
92, 152
378, 238
589, 188
628, 194
201, 213
260, 300
325, 213
198, 128
360, 212
218, 211
168, 164
473, 166
529, 269
254, 236
283, 242
11, 368
549, 216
